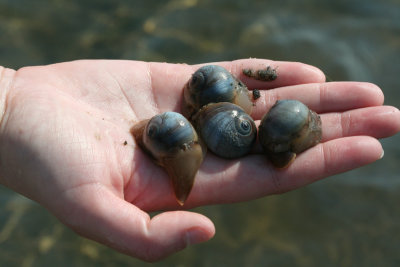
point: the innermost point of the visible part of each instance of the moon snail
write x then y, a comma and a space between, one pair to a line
226, 129
213, 84
288, 129
172, 142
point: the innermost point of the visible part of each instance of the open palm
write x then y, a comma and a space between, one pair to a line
65, 142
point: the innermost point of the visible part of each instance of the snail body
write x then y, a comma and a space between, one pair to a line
289, 128
212, 84
226, 129
171, 140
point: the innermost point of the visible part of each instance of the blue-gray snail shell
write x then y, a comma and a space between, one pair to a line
212, 84
289, 128
171, 140
226, 129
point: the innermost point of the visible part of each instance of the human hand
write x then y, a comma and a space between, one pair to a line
65, 142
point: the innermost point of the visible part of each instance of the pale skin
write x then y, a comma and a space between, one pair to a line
65, 142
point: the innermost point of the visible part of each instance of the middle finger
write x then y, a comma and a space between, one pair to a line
322, 97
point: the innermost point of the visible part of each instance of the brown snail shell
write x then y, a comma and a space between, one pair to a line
289, 128
212, 84
173, 143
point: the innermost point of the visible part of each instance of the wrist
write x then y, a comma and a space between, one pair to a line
6, 78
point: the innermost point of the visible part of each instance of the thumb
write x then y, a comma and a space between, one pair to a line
118, 224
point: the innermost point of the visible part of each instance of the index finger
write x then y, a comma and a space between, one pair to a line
168, 80
288, 73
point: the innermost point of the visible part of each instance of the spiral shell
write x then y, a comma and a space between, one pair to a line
212, 84
227, 129
289, 128
173, 143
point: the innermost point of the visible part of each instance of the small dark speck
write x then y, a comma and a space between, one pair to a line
266, 74
125, 143
248, 72
256, 94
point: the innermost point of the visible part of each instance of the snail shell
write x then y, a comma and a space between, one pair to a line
173, 143
289, 128
212, 84
227, 129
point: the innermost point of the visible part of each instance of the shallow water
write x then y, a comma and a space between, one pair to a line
351, 219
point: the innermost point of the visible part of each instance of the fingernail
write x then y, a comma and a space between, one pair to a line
383, 153
194, 236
